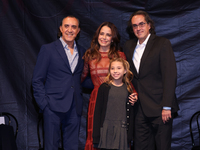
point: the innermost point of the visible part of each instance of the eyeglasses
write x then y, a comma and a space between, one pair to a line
141, 24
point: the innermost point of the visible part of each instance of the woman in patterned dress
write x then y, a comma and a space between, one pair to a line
105, 45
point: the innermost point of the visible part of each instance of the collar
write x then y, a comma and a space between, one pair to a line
65, 44
145, 42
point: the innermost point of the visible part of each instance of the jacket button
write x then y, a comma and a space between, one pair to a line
72, 87
127, 116
127, 109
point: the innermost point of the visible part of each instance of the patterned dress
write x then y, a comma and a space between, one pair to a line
98, 72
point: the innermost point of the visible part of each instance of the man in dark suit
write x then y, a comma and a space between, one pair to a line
153, 64
56, 86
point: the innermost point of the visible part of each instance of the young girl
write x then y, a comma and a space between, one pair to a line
113, 116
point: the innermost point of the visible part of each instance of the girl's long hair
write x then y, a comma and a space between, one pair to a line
128, 76
93, 51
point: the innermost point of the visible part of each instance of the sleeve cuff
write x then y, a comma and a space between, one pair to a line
167, 108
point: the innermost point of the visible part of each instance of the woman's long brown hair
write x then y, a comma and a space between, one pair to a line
93, 51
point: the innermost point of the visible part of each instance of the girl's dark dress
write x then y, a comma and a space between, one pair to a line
113, 134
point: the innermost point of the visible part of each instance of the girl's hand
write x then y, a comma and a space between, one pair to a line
133, 98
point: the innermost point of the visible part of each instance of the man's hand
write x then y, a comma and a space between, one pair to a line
166, 115
133, 98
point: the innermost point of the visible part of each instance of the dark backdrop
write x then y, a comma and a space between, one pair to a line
27, 24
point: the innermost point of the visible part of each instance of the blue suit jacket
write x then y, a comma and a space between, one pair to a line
54, 84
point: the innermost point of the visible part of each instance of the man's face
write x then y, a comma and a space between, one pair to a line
69, 29
140, 27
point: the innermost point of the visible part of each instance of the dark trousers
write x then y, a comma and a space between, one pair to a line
69, 123
151, 133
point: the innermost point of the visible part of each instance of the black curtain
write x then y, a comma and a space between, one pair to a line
27, 24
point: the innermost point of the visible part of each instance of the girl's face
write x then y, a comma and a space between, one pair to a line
117, 71
105, 37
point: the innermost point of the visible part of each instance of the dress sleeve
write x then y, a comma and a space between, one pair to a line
98, 115
85, 71
134, 91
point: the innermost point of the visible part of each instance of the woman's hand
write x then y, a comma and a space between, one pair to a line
133, 98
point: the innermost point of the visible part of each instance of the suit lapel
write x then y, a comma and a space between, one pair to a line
61, 51
79, 57
130, 57
147, 50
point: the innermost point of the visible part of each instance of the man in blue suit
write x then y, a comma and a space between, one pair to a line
56, 86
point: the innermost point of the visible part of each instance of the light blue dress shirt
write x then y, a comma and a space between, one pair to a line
72, 58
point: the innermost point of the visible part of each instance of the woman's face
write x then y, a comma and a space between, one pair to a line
105, 37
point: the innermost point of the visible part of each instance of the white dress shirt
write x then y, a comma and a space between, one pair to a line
138, 52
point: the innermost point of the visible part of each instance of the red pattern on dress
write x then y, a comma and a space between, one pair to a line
98, 72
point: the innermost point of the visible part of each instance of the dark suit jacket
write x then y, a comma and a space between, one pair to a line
53, 82
156, 81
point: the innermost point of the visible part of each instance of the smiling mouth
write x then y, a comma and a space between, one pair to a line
103, 41
69, 34
115, 75
139, 33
